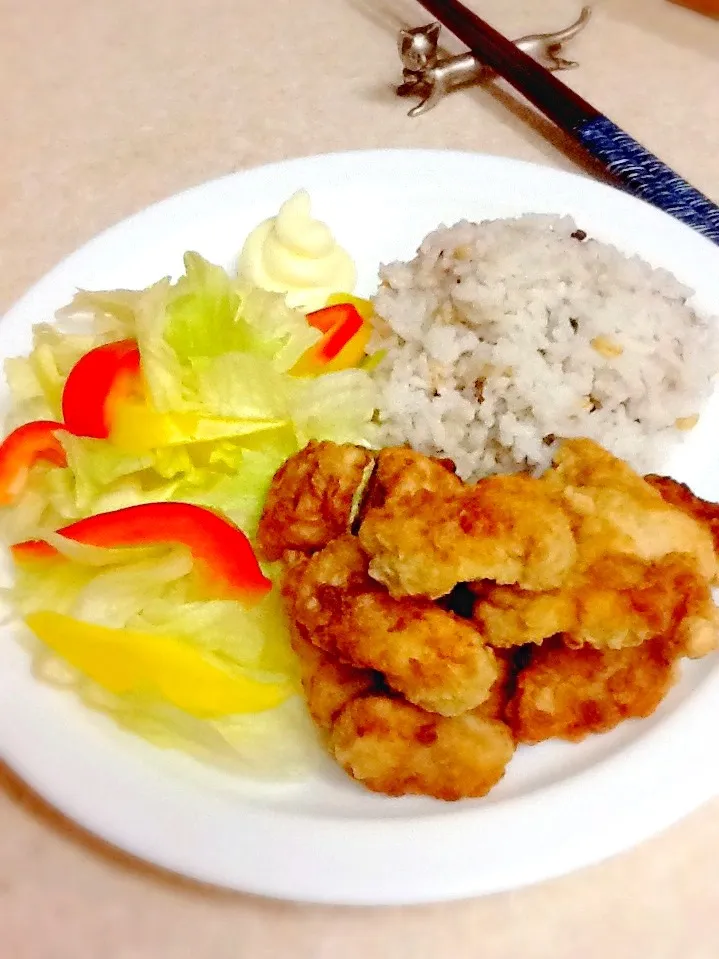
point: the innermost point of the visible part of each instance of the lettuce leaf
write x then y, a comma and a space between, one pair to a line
117, 594
336, 406
36, 381
211, 314
109, 314
203, 315
215, 355
242, 386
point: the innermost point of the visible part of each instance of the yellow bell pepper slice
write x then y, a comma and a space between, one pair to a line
137, 428
363, 307
354, 353
349, 356
129, 662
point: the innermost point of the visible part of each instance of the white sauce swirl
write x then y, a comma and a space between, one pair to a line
294, 254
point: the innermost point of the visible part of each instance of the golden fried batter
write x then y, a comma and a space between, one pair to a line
394, 747
621, 601
508, 666
679, 495
401, 472
509, 616
311, 497
614, 510
569, 693
329, 684
434, 658
510, 529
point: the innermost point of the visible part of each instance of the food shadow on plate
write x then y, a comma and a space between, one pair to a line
547, 764
330, 792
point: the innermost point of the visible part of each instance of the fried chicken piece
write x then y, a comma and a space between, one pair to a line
510, 529
643, 567
395, 748
400, 472
615, 511
509, 662
509, 616
328, 684
679, 495
621, 602
569, 693
391, 746
430, 656
312, 497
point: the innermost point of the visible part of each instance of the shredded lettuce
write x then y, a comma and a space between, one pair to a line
240, 385
210, 314
36, 381
109, 314
203, 315
115, 595
34, 591
222, 413
337, 406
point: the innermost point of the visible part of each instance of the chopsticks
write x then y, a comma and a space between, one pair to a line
632, 165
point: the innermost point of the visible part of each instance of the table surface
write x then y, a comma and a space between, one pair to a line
112, 106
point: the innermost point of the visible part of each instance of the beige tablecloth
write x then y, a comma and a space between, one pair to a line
109, 106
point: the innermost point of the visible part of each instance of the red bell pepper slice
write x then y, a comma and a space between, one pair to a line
94, 380
339, 323
21, 449
215, 543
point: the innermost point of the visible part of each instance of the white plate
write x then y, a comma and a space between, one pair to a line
560, 806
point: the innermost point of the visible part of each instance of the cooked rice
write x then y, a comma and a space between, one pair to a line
506, 335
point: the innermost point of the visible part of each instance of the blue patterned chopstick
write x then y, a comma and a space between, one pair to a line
632, 165
646, 176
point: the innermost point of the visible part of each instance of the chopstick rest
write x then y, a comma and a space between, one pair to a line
430, 75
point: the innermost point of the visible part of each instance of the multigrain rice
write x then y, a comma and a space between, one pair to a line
502, 337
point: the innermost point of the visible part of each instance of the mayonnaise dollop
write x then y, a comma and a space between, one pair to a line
294, 254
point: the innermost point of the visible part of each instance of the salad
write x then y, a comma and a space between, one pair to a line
144, 429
